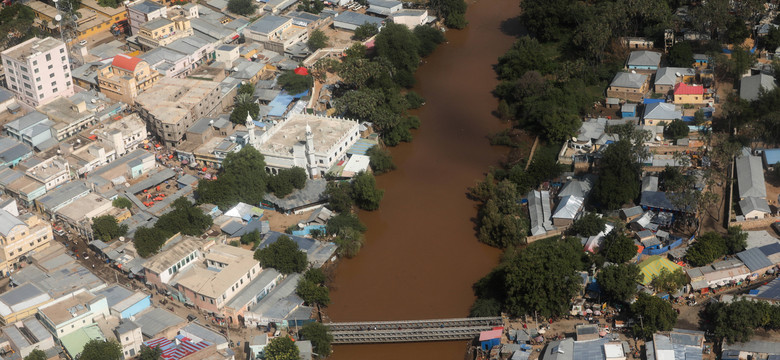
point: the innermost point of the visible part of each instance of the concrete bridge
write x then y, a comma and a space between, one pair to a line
410, 330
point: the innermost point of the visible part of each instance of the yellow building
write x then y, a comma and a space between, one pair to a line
688, 94
21, 302
94, 19
125, 78
19, 236
162, 31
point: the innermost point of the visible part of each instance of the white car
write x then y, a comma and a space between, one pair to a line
83, 42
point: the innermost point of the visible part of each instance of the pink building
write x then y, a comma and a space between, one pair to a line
38, 70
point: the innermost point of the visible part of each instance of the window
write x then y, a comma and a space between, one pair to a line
127, 338
11, 253
26, 77
65, 67
12, 78
24, 69
32, 243
48, 57
14, 87
54, 90
67, 83
51, 75
37, 79
40, 87
211, 301
62, 51
50, 67
20, 249
35, 62
63, 58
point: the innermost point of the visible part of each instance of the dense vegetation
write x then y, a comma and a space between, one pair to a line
282, 348
737, 321
371, 86
312, 289
540, 278
122, 203
242, 7
16, 23
106, 228
652, 314
589, 224
617, 248
711, 246
453, 12
618, 281
380, 160
317, 39
294, 83
36, 354
283, 255
185, 218
102, 350
319, 336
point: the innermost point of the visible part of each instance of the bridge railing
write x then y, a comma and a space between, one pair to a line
414, 324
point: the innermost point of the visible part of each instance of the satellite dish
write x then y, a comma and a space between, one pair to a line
58, 17
658, 138
573, 138
677, 74
633, 71
121, 238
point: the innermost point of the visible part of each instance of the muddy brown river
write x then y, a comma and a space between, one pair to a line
421, 254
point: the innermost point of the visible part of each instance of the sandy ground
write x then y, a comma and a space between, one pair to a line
280, 222
338, 38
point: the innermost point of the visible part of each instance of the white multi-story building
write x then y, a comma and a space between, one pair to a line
123, 135
38, 70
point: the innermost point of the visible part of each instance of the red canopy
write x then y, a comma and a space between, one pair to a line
301, 71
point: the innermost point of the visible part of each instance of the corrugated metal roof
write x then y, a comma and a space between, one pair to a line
568, 208
754, 259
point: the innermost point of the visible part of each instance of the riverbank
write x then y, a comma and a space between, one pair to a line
421, 255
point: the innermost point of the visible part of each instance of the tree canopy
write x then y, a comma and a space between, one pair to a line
243, 179
102, 350
617, 247
500, 222
589, 224
681, 55
364, 191
122, 203
281, 348
365, 31
675, 130
148, 241
185, 218
400, 46
287, 180
380, 160
541, 278
738, 320
429, 39
244, 105
320, 338
453, 12
36, 354
669, 281
311, 288
618, 181
106, 228
242, 7
294, 83
148, 353
652, 314
618, 281
339, 196
317, 39
283, 255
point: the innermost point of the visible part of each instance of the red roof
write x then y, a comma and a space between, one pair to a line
301, 71
125, 62
685, 89
490, 334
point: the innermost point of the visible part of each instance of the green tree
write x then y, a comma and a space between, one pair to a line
148, 241
708, 247
185, 218
736, 31
364, 191
618, 181
485, 308
380, 160
735, 240
589, 224
320, 338
500, 222
355, 52
618, 282
429, 38
102, 350
283, 255
242, 7
400, 46
452, 11
698, 118
681, 55
281, 348
349, 241
246, 88
656, 315
243, 179
414, 100
343, 221
106, 228
312, 293
617, 247
244, 105
736, 321
122, 203
669, 281
251, 238
317, 39
311, 6
526, 54
677, 129
548, 292
339, 197
36, 354
148, 353
294, 83
772, 40
365, 31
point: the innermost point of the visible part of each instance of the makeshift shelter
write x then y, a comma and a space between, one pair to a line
489, 339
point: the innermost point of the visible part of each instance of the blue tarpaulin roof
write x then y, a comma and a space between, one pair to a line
687, 118
279, 104
772, 156
652, 101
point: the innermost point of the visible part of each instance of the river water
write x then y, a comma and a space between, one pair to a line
421, 254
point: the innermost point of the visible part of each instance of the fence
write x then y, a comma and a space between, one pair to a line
756, 223
664, 249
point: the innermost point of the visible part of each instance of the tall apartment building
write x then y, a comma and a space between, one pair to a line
38, 70
20, 235
172, 105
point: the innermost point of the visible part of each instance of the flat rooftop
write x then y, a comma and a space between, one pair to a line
170, 99
69, 308
327, 132
30, 47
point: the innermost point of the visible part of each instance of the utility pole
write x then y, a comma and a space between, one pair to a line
641, 322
